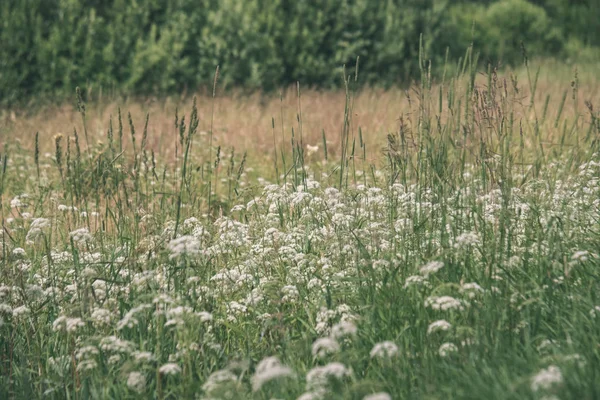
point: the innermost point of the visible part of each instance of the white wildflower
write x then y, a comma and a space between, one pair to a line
86, 352
204, 316
101, 317
325, 346
87, 365
415, 280
378, 396
81, 235
471, 289
431, 268
581, 256
136, 381
440, 325
443, 303
317, 394
268, 369
113, 343
217, 379
18, 252
37, 229
73, 324
169, 369
546, 378
466, 240
320, 376
143, 356
385, 349
20, 311
290, 294
184, 245
343, 329
310, 150
447, 348
114, 359
70, 325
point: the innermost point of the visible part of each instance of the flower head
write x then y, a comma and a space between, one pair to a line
385, 349
325, 346
268, 369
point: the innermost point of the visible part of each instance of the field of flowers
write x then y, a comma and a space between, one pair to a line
462, 264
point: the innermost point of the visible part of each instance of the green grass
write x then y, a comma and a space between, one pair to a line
123, 276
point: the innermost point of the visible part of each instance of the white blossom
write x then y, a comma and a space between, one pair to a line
440, 325
169, 369
325, 346
136, 381
385, 349
268, 369
546, 378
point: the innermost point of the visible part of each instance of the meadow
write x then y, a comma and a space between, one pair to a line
437, 242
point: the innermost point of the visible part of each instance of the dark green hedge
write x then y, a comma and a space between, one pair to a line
48, 47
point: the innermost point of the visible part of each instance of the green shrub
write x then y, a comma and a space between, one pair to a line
498, 30
148, 46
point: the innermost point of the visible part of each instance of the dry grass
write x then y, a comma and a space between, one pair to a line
245, 121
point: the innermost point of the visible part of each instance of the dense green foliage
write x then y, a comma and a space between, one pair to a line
51, 46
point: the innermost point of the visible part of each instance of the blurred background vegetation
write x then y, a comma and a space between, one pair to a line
140, 47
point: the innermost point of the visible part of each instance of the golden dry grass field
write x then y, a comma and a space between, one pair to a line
244, 121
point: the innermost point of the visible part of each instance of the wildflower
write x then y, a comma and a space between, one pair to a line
343, 330
169, 369
546, 378
81, 235
443, 303
101, 317
415, 280
114, 359
267, 370
37, 228
113, 343
136, 381
320, 376
18, 252
86, 352
447, 348
67, 324
184, 245
440, 325
385, 349
581, 256
310, 150
378, 396
17, 203
431, 268
238, 207
72, 324
471, 289
466, 240
20, 311
234, 309
316, 394
545, 345
204, 316
324, 346
143, 356
87, 365
290, 294
217, 379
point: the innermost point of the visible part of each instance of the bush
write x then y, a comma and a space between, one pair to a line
147, 46
498, 30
